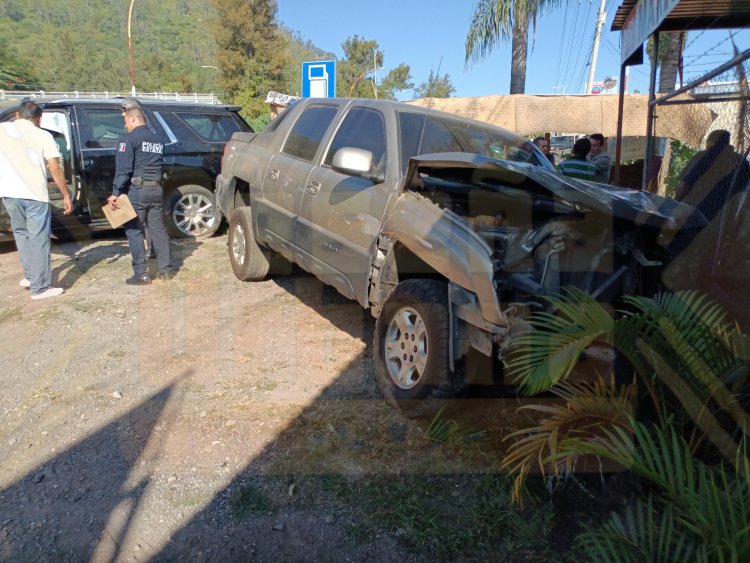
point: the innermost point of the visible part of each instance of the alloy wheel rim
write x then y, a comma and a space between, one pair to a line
194, 214
406, 348
238, 244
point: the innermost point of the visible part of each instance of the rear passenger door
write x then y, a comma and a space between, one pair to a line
196, 139
99, 129
286, 176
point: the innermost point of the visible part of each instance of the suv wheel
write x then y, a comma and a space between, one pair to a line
411, 347
249, 261
191, 212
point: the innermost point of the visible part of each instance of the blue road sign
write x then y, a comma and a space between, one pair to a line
319, 79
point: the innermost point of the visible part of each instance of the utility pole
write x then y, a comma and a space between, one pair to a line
600, 20
130, 51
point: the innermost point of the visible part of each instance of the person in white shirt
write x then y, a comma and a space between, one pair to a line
25, 152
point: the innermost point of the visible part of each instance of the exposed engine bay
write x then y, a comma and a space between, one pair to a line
541, 239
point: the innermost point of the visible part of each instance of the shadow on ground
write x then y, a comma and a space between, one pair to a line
66, 509
349, 478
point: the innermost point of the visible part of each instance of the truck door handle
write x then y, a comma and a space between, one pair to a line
313, 188
273, 174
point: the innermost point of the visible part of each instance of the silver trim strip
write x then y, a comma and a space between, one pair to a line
172, 137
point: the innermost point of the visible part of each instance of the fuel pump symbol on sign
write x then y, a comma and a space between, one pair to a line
319, 79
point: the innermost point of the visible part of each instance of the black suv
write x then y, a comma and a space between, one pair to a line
87, 131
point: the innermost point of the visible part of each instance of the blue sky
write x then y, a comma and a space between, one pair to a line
427, 34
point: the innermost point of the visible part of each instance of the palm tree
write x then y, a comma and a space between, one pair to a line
494, 21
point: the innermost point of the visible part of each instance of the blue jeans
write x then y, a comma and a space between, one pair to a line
31, 222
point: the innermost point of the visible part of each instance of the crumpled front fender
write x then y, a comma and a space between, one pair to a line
449, 245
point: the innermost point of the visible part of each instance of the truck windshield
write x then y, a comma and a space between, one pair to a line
426, 134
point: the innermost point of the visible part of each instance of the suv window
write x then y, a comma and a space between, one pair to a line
350, 135
102, 128
211, 127
308, 132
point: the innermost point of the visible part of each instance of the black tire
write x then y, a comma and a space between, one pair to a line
190, 212
249, 261
412, 366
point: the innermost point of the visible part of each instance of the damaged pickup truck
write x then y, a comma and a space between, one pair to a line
448, 230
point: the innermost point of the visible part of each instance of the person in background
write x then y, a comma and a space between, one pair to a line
138, 173
542, 144
26, 151
577, 166
713, 175
599, 158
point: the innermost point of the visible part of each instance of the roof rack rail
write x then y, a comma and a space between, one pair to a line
42, 95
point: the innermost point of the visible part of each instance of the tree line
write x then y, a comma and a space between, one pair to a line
235, 48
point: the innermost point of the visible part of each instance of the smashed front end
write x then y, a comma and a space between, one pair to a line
506, 235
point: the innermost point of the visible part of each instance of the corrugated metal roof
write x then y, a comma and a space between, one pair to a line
694, 14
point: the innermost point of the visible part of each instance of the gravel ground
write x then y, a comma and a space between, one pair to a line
200, 419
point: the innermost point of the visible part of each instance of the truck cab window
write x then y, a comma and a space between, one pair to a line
350, 135
308, 132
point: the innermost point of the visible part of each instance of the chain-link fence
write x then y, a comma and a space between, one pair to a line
698, 154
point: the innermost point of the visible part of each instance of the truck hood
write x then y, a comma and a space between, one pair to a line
639, 207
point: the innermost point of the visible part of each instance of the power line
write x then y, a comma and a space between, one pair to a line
570, 45
578, 55
562, 43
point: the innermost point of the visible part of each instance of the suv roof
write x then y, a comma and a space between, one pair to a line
146, 102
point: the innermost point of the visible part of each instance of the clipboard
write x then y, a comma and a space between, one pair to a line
124, 212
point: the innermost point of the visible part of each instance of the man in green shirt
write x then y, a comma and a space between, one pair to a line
577, 166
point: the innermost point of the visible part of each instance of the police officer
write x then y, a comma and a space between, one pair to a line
138, 173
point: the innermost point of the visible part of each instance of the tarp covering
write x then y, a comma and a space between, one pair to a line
527, 115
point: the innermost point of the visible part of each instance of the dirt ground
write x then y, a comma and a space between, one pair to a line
206, 419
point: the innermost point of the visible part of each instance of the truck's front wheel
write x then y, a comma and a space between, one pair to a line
249, 261
411, 346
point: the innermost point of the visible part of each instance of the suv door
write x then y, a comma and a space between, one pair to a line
99, 128
340, 214
197, 137
57, 121
286, 175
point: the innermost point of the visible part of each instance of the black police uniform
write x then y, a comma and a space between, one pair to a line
138, 173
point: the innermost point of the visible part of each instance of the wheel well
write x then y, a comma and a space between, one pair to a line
241, 193
397, 264
408, 265
202, 181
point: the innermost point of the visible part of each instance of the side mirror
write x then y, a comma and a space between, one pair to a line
355, 162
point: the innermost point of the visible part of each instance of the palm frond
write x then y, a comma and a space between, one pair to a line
493, 20
707, 375
707, 506
550, 446
643, 534
693, 404
542, 357
490, 23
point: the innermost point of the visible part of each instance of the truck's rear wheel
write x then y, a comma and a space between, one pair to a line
411, 347
249, 261
191, 212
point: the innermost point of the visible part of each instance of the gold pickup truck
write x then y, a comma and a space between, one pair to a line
450, 231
